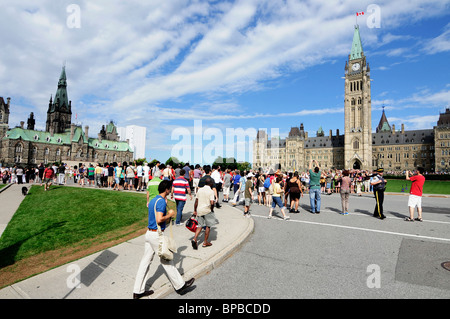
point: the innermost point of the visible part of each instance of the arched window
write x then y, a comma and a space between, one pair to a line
356, 144
19, 148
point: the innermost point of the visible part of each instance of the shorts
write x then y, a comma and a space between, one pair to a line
91, 177
195, 182
48, 180
248, 201
207, 220
414, 201
226, 190
262, 189
276, 200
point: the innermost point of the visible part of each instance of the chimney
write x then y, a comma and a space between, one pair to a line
21, 124
403, 128
393, 128
72, 131
99, 137
8, 101
86, 130
306, 134
331, 133
337, 132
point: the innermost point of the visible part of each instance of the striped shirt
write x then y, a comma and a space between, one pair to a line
180, 187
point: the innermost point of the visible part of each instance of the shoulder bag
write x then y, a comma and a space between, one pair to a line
167, 246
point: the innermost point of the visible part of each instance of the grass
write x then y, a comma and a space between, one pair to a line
430, 187
64, 224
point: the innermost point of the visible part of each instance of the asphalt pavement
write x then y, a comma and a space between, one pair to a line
276, 249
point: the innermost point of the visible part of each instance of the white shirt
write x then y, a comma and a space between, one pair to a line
204, 196
216, 177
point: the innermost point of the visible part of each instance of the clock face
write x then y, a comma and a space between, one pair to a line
355, 67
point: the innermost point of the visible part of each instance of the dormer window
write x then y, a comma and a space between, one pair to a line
48, 139
36, 137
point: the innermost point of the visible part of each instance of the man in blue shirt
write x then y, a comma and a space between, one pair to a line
158, 214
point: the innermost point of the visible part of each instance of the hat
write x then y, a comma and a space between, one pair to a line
380, 170
250, 174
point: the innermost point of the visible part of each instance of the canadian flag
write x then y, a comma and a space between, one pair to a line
360, 13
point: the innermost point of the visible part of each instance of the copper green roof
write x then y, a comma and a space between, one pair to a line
64, 139
61, 100
110, 127
357, 50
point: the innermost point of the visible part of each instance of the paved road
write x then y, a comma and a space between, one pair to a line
335, 256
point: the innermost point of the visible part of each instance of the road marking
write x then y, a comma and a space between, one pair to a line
362, 229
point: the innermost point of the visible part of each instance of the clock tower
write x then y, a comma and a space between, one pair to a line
357, 106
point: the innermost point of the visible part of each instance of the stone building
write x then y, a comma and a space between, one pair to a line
358, 147
62, 140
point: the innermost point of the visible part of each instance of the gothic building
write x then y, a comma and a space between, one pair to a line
62, 140
358, 147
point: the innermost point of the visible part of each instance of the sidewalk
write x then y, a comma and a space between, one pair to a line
110, 274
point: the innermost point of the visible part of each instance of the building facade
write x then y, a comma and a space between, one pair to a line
358, 147
136, 136
62, 140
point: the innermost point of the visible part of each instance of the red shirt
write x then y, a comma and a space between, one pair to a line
48, 173
417, 182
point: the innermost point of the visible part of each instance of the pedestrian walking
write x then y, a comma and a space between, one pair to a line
152, 186
415, 194
48, 177
204, 210
379, 186
295, 191
248, 194
158, 214
180, 187
276, 198
226, 186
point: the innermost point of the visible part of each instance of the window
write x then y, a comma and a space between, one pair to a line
19, 148
356, 144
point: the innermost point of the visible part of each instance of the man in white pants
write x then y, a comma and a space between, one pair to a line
157, 213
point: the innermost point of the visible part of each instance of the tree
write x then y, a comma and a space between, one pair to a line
228, 163
173, 161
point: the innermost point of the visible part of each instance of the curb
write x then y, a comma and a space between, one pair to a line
209, 265
6, 187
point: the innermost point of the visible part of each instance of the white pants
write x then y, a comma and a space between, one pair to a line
151, 246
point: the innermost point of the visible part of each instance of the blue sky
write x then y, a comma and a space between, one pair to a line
231, 64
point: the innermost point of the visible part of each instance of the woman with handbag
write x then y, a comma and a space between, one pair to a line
157, 218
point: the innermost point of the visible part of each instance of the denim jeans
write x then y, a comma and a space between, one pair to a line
180, 206
314, 195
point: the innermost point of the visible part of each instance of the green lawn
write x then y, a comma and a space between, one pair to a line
68, 216
430, 187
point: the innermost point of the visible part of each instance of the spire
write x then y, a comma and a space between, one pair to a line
383, 126
357, 50
61, 100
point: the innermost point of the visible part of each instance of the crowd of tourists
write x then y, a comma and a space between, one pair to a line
269, 188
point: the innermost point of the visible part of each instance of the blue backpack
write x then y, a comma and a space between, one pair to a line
267, 182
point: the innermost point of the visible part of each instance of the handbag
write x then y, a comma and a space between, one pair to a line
167, 246
192, 224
